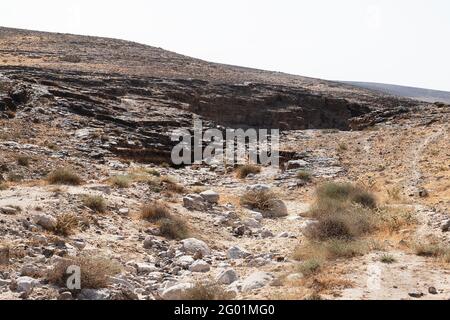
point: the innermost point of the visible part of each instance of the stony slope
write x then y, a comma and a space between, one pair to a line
104, 107
409, 92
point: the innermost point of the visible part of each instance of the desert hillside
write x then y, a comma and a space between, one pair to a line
409, 92
359, 208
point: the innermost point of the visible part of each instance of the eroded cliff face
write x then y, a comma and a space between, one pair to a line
140, 94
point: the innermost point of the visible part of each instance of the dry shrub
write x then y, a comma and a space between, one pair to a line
345, 192
243, 171
95, 270
170, 185
23, 161
64, 176
66, 224
207, 292
3, 186
261, 200
174, 228
155, 211
343, 211
433, 249
121, 182
303, 175
331, 250
310, 267
95, 203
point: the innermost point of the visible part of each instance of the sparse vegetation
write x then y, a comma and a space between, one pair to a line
261, 200
66, 224
310, 267
96, 270
303, 175
342, 147
3, 186
155, 211
345, 192
23, 161
387, 258
95, 203
173, 228
170, 226
331, 249
64, 176
207, 291
170, 185
433, 249
121, 182
243, 171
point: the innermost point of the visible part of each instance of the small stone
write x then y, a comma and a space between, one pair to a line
185, 261
251, 223
227, 276
145, 267
277, 209
237, 253
266, 233
46, 221
296, 164
194, 202
25, 284
66, 295
200, 266
256, 280
416, 294
94, 294
445, 227
432, 290
210, 196
258, 187
124, 211
149, 242
192, 246
4, 255
423, 193
8, 210
176, 292
283, 235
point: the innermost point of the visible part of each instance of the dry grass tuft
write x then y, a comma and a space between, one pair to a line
174, 228
206, 292
95, 270
170, 185
310, 267
121, 182
265, 201
433, 249
155, 211
95, 203
303, 175
66, 224
23, 161
64, 176
243, 171
331, 250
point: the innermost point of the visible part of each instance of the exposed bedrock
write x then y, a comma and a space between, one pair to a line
148, 109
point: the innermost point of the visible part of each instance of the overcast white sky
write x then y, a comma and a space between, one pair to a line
401, 42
